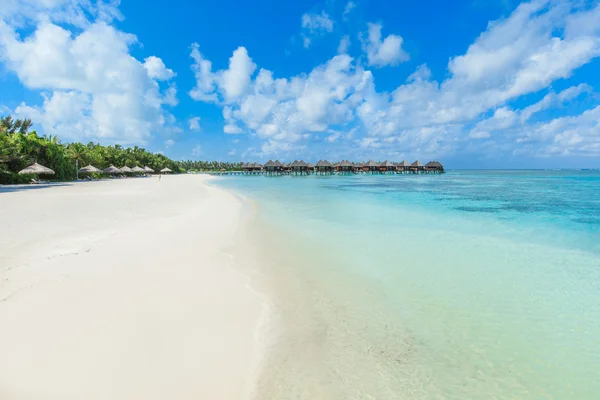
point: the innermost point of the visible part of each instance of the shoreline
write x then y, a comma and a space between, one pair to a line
127, 290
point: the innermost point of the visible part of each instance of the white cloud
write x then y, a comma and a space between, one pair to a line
93, 88
235, 80
424, 116
421, 73
350, 5
194, 123
231, 152
169, 143
344, 44
157, 69
205, 80
232, 129
381, 53
314, 25
197, 150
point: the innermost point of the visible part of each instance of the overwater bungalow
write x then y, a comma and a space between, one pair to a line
417, 167
272, 167
357, 167
403, 167
371, 166
324, 167
345, 166
311, 168
387, 166
299, 167
434, 167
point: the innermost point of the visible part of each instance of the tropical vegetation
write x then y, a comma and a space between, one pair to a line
197, 166
20, 147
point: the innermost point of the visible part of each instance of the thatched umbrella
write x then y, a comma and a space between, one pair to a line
90, 169
36, 169
138, 169
165, 170
148, 169
126, 169
111, 170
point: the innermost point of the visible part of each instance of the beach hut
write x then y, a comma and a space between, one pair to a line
36, 169
324, 167
271, 167
416, 167
256, 167
165, 171
299, 167
434, 167
345, 166
387, 166
371, 166
403, 166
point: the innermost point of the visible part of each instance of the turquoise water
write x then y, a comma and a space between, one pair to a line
467, 285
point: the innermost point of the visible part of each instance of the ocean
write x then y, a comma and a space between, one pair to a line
466, 285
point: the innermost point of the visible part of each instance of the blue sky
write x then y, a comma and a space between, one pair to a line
473, 83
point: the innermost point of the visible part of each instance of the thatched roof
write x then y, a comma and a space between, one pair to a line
417, 164
37, 169
247, 165
165, 170
138, 169
125, 169
270, 163
434, 164
148, 169
387, 164
345, 163
112, 170
256, 165
310, 166
278, 164
89, 170
324, 163
371, 163
404, 164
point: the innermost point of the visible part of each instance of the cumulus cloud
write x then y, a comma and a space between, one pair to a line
350, 5
157, 69
92, 87
235, 80
194, 123
315, 25
471, 109
344, 44
383, 52
197, 150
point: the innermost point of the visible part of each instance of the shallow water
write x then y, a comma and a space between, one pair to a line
467, 285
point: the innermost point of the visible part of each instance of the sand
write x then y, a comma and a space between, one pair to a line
124, 289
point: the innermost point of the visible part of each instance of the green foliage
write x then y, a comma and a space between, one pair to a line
194, 166
20, 148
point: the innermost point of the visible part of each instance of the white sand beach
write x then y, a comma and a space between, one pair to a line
123, 289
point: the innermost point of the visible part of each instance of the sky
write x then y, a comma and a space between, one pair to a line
472, 83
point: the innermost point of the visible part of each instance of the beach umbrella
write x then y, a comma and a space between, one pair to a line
148, 169
165, 170
37, 169
89, 170
125, 169
112, 170
138, 169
